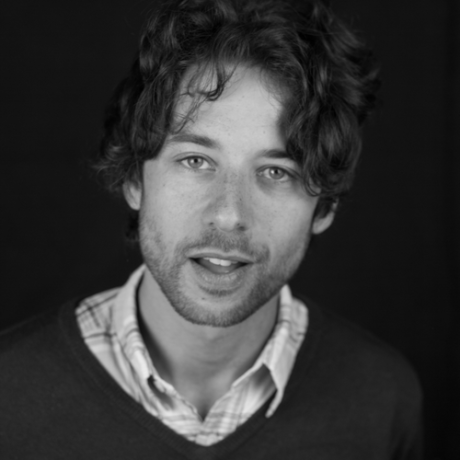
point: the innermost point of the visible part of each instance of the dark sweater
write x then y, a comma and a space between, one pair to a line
349, 397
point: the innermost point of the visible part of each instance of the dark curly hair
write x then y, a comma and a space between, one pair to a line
328, 77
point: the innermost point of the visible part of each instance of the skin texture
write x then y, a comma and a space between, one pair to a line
219, 188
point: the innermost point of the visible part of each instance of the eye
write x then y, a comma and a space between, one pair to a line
195, 163
277, 174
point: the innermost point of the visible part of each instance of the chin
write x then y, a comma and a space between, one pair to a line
218, 311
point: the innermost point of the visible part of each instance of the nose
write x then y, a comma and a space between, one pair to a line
229, 206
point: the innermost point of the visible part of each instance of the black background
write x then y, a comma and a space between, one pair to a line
391, 260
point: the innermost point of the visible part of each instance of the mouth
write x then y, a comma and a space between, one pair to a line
219, 265
220, 273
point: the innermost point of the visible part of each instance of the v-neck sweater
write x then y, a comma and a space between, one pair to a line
349, 397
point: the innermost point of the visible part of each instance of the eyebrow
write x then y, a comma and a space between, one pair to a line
278, 154
191, 138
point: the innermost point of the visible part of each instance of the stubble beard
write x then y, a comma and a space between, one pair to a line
165, 265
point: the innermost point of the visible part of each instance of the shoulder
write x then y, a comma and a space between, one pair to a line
362, 384
32, 343
369, 352
41, 336
360, 364
44, 361
28, 333
33, 359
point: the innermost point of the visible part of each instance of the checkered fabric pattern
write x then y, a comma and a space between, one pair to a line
108, 323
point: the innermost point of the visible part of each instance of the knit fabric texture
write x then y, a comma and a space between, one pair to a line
349, 396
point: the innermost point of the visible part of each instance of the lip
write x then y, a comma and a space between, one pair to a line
223, 256
219, 283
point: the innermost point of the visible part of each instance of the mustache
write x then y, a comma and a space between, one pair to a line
225, 243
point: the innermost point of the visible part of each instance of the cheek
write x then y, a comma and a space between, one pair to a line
288, 225
171, 209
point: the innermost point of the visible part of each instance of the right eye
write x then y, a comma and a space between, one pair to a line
196, 163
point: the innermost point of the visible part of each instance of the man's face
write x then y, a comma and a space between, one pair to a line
224, 218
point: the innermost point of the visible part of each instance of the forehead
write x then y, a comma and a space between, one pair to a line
243, 90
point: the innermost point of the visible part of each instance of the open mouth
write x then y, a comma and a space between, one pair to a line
218, 266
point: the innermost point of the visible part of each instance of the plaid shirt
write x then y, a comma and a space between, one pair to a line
108, 323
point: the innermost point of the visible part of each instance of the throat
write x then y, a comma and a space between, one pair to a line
203, 391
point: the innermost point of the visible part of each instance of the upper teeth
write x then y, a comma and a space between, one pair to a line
224, 263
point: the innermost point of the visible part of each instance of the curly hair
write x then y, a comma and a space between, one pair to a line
328, 75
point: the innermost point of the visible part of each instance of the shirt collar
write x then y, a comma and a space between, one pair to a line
126, 327
281, 349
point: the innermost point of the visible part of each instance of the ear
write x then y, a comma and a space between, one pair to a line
320, 224
133, 194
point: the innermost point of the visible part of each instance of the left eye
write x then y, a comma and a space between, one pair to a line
194, 163
275, 173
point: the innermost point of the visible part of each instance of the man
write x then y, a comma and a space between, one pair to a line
232, 141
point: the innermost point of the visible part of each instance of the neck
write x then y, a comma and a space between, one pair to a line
201, 362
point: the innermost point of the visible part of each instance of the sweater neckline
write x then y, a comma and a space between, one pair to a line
102, 382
